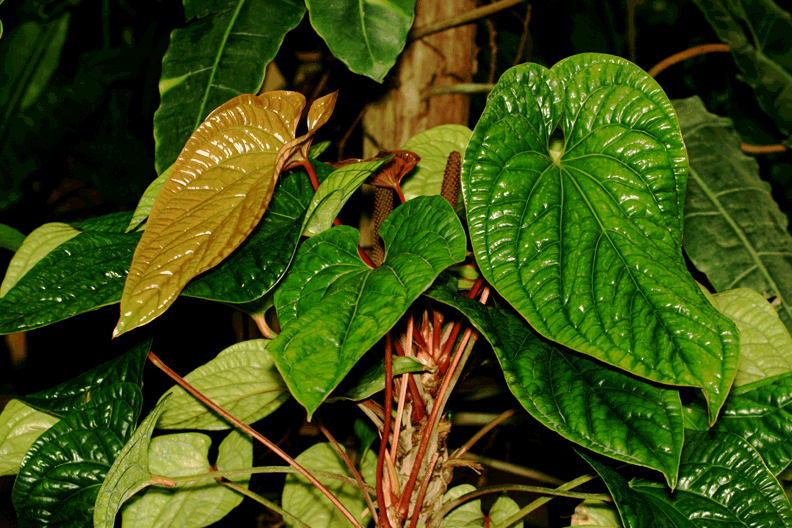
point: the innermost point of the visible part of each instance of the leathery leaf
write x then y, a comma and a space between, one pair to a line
20, 425
583, 237
333, 307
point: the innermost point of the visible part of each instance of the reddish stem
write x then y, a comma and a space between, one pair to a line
365, 258
418, 409
311, 174
383, 513
422, 493
400, 194
252, 432
683, 55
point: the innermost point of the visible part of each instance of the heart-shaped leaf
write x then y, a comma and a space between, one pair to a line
194, 504
365, 35
60, 476
128, 474
242, 379
469, 514
214, 59
734, 230
333, 307
217, 192
433, 146
20, 426
600, 408
585, 242
70, 395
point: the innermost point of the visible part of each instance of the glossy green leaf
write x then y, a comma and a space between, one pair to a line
217, 192
214, 59
761, 413
128, 474
303, 500
372, 379
714, 466
366, 35
10, 238
333, 307
35, 247
334, 192
757, 32
469, 514
734, 230
194, 504
20, 426
316, 150
433, 146
586, 243
242, 379
60, 476
146, 202
595, 406
70, 395
765, 343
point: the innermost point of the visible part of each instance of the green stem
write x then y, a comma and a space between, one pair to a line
266, 502
449, 506
542, 500
461, 19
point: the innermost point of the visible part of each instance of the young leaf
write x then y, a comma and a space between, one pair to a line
333, 307
68, 396
734, 230
128, 474
214, 59
433, 146
217, 192
765, 343
60, 476
600, 408
296, 151
20, 426
367, 35
303, 500
586, 243
469, 514
242, 379
193, 504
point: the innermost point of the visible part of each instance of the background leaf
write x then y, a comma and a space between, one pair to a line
214, 59
20, 425
433, 146
734, 231
333, 307
358, 386
10, 238
365, 35
242, 379
60, 476
469, 514
587, 246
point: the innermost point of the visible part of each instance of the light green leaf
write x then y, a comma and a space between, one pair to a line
734, 230
586, 244
303, 500
146, 202
242, 379
60, 476
10, 238
469, 514
129, 473
333, 307
333, 194
765, 343
433, 146
316, 150
584, 401
20, 425
366, 35
214, 59
596, 513
193, 504
35, 247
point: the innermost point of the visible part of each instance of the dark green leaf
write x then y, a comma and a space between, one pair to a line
214, 59
734, 230
68, 396
333, 307
607, 411
757, 32
10, 238
372, 380
60, 476
365, 35
585, 242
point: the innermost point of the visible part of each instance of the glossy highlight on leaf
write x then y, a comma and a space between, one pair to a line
586, 242
217, 192
20, 426
333, 307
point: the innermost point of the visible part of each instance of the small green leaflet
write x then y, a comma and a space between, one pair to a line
469, 514
585, 242
20, 426
333, 307
242, 379
433, 146
360, 384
